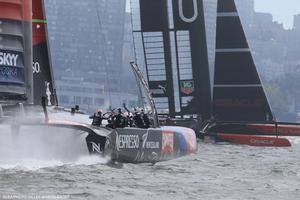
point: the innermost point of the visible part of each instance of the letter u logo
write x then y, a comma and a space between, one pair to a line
185, 19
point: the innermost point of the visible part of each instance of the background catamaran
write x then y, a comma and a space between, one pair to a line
25, 93
170, 43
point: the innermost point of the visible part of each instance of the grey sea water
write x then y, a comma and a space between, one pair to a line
215, 172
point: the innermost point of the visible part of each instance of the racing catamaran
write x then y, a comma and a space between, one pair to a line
241, 110
23, 93
170, 44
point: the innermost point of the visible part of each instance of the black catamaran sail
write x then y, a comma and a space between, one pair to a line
170, 44
238, 93
240, 105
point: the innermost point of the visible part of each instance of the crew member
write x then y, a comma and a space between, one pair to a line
138, 121
145, 119
97, 118
129, 120
119, 119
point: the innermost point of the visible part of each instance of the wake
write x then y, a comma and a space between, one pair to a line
33, 147
27, 164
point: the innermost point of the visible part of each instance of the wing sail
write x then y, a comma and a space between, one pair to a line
170, 44
238, 93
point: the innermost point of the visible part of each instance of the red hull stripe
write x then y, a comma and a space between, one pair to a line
282, 129
254, 140
16, 9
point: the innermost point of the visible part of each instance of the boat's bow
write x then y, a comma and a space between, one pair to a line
151, 145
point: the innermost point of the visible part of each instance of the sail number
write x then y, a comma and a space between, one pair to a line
184, 18
36, 68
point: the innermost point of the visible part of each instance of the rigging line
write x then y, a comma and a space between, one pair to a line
103, 49
142, 98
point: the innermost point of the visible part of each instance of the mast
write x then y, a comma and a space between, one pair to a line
238, 93
137, 72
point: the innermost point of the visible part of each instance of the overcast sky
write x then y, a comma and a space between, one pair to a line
282, 10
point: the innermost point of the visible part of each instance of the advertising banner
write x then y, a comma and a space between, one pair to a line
11, 68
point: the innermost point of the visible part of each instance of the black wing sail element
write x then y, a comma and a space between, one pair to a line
42, 72
153, 35
238, 94
170, 42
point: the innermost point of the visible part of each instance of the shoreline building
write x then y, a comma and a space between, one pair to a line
86, 42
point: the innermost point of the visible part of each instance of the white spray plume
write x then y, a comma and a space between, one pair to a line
39, 146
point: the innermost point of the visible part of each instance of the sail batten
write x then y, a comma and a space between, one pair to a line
232, 50
227, 14
235, 85
226, 6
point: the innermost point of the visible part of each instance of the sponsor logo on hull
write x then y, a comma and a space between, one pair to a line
152, 145
149, 144
262, 141
95, 147
254, 140
127, 141
167, 142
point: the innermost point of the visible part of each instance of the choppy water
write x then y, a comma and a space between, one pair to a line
215, 172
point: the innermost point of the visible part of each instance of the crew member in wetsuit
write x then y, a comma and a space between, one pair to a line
138, 121
130, 120
129, 116
145, 119
97, 118
119, 119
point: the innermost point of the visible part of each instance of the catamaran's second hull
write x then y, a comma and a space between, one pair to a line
275, 129
244, 139
254, 134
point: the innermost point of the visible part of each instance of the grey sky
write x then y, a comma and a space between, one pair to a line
282, 10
